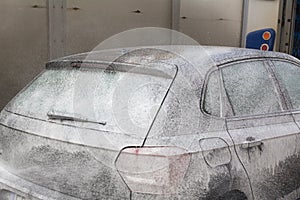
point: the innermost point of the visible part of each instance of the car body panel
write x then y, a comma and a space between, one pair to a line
72, 169
267, 145
28, 190
272, 162
296, 117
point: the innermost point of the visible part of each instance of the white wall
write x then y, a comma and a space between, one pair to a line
23, 44
219, 22
213, 22
263, 14
99, 19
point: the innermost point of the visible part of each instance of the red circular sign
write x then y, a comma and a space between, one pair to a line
264, 47
267, 35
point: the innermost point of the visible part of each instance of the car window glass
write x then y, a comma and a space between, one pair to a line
212, 95
123, 100
289, 75
250, 89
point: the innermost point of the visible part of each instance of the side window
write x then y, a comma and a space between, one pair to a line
289, 75
250, 89
211, 103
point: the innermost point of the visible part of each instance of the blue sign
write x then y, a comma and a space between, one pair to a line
261, 39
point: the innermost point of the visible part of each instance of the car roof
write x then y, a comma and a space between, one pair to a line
202, 57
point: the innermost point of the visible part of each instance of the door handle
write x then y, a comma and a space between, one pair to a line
247, 145
251, 142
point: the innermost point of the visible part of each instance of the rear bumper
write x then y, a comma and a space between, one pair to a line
32, 191
139, 196
27, 189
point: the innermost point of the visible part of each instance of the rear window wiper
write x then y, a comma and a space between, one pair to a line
67, 117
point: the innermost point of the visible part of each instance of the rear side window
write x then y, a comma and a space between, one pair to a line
250, 89
289, 75
211, 104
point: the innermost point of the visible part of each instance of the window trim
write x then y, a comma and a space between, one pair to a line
203, 93
274, 80
284, 91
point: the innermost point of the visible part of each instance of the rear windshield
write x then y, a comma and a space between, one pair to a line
123, 101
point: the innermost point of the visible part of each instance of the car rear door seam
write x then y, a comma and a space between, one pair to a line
163, 101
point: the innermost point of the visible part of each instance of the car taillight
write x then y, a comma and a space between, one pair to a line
7, 195
154, 170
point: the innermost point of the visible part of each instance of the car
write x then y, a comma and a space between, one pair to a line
156, 122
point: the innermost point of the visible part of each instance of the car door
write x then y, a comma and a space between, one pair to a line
265, 134
288, 75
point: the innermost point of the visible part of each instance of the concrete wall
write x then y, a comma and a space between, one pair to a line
263, 14
23, 44
96, 20
219, 22
212, 22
